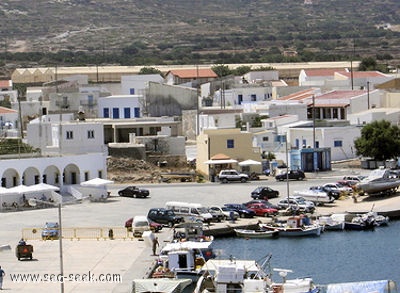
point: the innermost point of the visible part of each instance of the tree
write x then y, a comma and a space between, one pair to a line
221, 70
367, 64
149, 70
379, 140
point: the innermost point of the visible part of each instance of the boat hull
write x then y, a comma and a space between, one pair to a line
296, 232
256, 234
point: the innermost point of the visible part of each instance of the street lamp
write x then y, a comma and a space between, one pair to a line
33, 202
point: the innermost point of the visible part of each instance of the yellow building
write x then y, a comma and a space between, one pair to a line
224, 149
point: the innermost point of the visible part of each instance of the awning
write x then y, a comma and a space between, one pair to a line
97, 182
218, 162
249, 163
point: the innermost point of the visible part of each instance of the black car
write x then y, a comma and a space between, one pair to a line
264, 192
164, 216
292, 175
134, 191
265, 202
241, 210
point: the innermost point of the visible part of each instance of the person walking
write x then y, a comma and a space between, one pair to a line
155, 244
2, 274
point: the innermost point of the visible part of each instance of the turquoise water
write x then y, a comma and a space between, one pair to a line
334, 257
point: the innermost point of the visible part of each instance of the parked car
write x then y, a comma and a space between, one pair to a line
292, 175
264, 202
330, 192
262, 210
241, 210
51, 231
297, 203
134, 191
217, 215
226, 176
264, 192
339, 187
164, 216
228, 213
153, 226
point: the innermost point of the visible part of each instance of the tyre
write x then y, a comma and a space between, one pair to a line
266, 214
224, 180
170, 224
243, 180
242, 215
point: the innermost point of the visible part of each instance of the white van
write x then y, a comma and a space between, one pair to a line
191, 212
140, 224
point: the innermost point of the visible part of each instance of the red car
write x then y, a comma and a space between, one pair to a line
262, 210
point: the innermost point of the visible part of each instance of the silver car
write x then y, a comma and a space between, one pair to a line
298, 203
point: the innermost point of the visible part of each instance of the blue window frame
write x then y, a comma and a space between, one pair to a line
230, 143
106, 112
115, 113
240, 99
127, 113
132, 91
136, 112
338, 143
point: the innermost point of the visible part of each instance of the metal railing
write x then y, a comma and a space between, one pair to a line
92, 233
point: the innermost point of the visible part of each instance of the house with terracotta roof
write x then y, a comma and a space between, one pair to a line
341, 79
8, 120
317, 77
194, 76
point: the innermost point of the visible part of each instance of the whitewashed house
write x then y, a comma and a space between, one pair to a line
137, 84
121, 107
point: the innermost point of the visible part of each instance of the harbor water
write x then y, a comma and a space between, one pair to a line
333, 257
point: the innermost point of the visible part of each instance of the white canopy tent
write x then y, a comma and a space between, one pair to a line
249, 163
220, 162
97, 182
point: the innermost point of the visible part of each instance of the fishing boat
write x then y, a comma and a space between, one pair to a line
379, 182
245, 276
295, 227
330, 224
256, 233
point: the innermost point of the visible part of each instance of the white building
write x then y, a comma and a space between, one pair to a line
121, 107
137, 84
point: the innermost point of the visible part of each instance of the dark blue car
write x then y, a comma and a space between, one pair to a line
241, 210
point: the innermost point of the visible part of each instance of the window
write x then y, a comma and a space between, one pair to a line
132, 91
70, 134
115, 113
136, 110
230, 144
265, 138
90, 134
253, 98
338, 143
106, 112
86, 176
127, 112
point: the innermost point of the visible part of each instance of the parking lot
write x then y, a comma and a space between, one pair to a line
128, 258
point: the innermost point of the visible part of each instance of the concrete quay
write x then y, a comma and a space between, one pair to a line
131, 258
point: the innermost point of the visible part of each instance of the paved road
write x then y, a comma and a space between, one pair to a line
129, 259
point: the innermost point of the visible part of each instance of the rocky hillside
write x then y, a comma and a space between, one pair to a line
126, 170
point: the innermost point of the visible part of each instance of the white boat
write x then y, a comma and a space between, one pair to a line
245, 276
316, 195
295, 227
379, 182
330, 223
256, 233
183, 259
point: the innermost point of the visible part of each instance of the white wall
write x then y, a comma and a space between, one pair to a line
120, 102
138, 83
